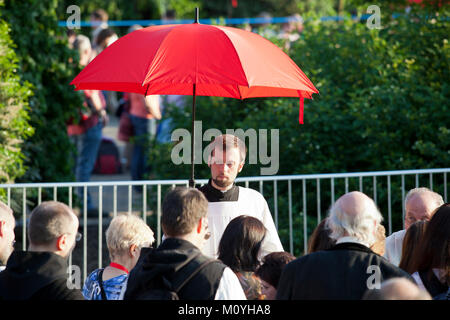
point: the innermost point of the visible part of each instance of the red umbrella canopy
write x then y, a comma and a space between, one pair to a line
212, 60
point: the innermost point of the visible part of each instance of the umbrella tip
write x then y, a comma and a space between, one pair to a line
196, 15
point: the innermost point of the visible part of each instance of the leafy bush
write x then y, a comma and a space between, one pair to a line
44, 61
14, 109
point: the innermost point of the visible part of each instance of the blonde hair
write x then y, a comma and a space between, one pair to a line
126, 230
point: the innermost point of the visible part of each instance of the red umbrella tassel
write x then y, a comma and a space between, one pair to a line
300, 111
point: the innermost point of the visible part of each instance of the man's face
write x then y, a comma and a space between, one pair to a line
225, 166
7, 237
419, 207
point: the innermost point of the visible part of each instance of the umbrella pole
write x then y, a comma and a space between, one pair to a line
192, 180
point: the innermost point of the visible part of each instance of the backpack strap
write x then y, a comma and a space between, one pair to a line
100, 282
193, 274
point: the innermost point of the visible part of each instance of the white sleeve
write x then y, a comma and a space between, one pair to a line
393, 247
229, 287
271, 242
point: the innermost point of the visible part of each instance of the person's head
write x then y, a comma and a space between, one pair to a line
320, 238
420, 204
184, 215
99, 16
83, 45
240, 243
413, 237
134, 27
270, 272
354, 215
226, 159
397, 289
379, 246
53, 227
7, 236
434, 249
125, 237
105, 38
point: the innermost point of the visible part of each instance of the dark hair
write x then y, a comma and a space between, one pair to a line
240, 243
434, 249
413, 237
272, 266
103, 35
320, 238
48, 221
181, 210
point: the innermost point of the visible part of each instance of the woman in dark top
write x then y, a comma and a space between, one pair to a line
239, 249
433, 266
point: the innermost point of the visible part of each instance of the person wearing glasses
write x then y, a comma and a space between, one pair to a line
420, 204
41, 272
7, 224
126, 235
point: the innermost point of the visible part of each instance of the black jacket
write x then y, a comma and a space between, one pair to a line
176, 259
36, 276
343, 272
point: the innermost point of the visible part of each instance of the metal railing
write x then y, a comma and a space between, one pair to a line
304, 197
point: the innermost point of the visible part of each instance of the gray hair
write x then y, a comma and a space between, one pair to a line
416, 191
360, 226
126, 230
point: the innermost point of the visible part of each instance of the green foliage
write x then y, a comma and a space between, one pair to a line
44, 61
14, 109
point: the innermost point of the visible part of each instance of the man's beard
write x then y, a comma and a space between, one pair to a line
223, 183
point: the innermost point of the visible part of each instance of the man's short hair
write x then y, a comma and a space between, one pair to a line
181, 210
126, 230
48, 221
422, 190
360, 226
226, 142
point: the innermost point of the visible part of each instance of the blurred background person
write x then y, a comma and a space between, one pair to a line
99, 20
143, 112
126, 235
87, 133
239, 249
433, 267
105, 38
413, 238
270, 271
7, 236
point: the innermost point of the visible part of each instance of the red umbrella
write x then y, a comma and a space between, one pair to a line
199, 60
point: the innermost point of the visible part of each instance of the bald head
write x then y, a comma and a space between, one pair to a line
355, 215
420, 204
402, 289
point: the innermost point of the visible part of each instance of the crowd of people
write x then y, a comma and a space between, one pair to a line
220, 243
